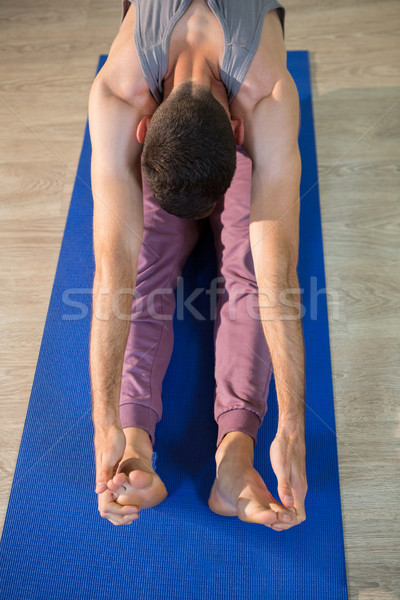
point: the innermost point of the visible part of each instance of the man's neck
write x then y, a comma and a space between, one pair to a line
192, 65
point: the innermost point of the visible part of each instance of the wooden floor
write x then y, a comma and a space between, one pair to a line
49, 53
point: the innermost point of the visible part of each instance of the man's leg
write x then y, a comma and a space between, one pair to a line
167, 243
243, 365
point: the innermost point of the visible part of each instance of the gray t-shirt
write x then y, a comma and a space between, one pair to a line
241, 22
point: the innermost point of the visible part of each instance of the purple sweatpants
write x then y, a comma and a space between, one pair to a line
242, 361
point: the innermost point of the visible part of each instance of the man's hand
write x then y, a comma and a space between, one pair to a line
114, 512
287, 453
109, 445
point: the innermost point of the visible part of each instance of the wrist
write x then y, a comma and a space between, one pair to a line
291, 427
103, 422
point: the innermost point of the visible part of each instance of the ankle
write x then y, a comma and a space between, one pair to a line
138, 443
236, 447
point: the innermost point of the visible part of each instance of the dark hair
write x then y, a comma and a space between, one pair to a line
189, 153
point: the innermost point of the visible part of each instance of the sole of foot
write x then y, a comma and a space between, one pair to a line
137, 484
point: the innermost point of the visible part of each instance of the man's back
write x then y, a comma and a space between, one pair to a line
197, 26
229, 32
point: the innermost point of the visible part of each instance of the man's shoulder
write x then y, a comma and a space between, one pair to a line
122, 72
271, 126
267, 66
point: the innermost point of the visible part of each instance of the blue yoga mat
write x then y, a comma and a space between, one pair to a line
56, 546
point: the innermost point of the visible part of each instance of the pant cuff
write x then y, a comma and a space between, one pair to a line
238, 419
132, 414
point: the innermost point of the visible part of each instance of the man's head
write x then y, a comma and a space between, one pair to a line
189, 152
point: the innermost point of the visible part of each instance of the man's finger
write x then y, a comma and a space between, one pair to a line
124, 520
108, 507
299, 490
284, 487
283, 515
285, 493
119, 519
115, 509
104, 475
101, 487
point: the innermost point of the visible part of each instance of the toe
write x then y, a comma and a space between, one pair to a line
264, 516
120, 479
140, 479
286, 518
254, 512
112, 486
117, 484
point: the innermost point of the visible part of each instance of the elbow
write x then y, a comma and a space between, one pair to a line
291, 275
94, 93
279, 293
115, 251
114, 269
279, 272
278, 279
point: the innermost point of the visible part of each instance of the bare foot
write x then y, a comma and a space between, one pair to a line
136, 483
240, 491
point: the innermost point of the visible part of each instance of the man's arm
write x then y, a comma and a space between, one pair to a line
117, 235
271, 141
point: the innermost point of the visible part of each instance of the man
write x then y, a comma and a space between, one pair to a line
198, 97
